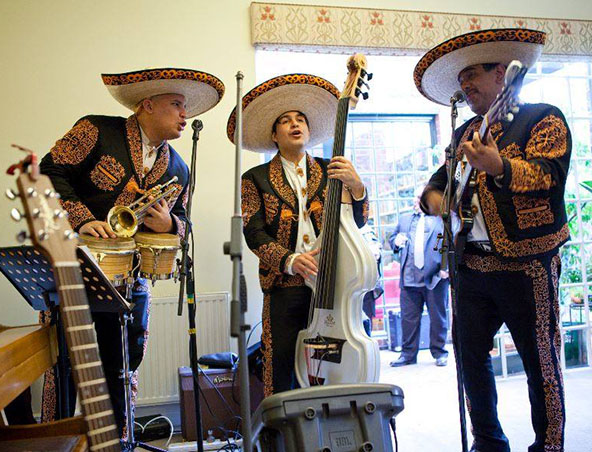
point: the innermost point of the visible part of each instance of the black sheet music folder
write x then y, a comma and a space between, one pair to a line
31, 274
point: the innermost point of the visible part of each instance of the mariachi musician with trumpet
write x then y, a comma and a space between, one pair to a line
107, 161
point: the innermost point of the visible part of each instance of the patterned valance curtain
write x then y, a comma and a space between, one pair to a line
397, 32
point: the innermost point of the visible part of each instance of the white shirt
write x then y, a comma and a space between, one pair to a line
149, 153
296, 176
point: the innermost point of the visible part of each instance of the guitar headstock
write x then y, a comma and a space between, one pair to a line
47, 222
506, 105
357, 79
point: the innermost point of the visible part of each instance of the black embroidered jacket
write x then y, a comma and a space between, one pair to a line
270, 216
526, 217
99, 164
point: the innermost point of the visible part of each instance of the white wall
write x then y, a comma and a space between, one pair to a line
52, 53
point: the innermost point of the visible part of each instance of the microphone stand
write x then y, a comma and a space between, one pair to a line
450, 262
238, 305
188, 282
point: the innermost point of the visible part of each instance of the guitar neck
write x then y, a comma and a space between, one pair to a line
84, 356
468, 172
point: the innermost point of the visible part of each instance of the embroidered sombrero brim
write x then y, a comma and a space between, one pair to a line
314, 96
202, 91
436, 74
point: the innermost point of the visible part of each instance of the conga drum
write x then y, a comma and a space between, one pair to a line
158, 253
114, 256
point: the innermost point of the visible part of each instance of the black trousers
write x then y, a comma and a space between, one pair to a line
285, 313
107, 326
524, 296
412, 302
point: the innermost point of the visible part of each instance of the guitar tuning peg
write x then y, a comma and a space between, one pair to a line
42, 234
57, 213
515, 109
509, 117
21, 236
16, 214
31, 192
10, 194
70, 235
49, 193
35, 213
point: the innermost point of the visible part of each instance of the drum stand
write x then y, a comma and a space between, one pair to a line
130, 443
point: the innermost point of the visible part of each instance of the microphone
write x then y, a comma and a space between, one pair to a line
196, 125
458, 97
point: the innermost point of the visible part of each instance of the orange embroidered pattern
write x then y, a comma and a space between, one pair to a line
134, 140
366, 210
163, 74
290, 281
505, 246
528, 176
271, 207
77, 212
272, 253
107, 173
267, 347
548, 139
532, 212
314, 178
160, 166
284, 229
291, 79
317, 214
278, 182
548, 348
126, 197
250, 200
181, 225
512, 150
75, 146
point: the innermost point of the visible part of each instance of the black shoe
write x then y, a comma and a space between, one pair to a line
402, 361
441, 362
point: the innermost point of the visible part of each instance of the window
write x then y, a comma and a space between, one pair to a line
396, 140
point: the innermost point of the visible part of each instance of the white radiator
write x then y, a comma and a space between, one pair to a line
168, 344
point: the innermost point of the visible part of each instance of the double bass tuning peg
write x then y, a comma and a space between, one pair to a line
366, 74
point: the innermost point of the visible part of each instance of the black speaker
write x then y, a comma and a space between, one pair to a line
219, 400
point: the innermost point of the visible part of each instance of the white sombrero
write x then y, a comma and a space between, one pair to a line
436, 74
202, 91
314, 96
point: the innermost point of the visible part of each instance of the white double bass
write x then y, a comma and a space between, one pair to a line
334, 348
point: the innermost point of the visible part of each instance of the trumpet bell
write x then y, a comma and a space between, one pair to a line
123, 221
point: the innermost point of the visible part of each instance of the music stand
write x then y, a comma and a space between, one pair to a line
31, 274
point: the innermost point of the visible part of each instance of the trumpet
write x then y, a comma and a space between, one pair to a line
124, 220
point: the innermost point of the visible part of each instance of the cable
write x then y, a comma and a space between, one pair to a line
394, 428
143, 427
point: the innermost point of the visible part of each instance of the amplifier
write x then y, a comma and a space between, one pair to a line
219, 400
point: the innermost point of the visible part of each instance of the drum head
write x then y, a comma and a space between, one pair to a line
99, 243
157, 239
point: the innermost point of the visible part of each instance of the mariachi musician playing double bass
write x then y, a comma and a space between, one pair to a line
282, 205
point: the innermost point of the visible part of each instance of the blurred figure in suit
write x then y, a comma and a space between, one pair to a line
422, 282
